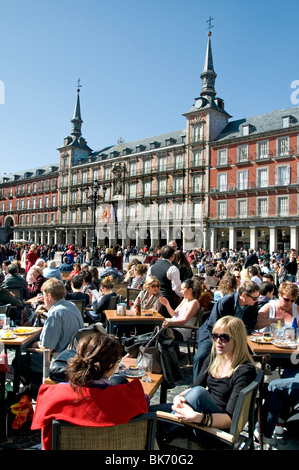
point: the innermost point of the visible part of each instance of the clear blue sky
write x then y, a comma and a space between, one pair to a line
139, 63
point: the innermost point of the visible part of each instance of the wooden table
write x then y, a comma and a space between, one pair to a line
18, 344
268, 348
113, 319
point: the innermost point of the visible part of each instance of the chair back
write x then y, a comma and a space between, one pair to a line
18, 293
245, 407
115, 299
80, 304
95, 327
137, 434
65, 274
132, 293
5, 309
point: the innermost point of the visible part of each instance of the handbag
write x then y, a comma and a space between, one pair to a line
58, 368
150, 352
132, 345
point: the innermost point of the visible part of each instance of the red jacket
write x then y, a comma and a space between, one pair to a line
30, 259
110, 406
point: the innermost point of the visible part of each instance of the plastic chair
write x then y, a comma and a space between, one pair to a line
5, 309
137, 434
80, 304
244, 413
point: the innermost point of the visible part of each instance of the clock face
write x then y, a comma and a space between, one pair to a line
198, 103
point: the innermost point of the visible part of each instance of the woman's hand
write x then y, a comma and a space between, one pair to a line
164, 301
178, 401
186, 414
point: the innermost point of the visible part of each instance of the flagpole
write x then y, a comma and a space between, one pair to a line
95, 197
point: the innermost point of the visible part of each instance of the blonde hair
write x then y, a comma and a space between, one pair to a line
149, 280
235, 328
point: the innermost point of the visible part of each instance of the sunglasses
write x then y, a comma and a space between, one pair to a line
288, 300
224, 338
155, 285
255, 299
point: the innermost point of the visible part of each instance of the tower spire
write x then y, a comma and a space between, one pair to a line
77, 121
208, 75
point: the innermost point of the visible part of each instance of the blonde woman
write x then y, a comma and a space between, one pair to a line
149, 296
229, 369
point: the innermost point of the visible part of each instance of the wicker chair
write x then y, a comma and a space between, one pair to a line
137, 434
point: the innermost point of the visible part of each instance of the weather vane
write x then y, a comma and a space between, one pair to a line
78, 84
210, 25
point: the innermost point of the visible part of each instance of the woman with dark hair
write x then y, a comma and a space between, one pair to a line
183, 265
92, 397
227, 285
187, 311
106, 291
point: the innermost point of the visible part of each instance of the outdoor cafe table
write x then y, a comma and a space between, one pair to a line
113, 319
269, 348
18, 344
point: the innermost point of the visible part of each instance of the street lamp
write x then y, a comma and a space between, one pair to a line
95, 197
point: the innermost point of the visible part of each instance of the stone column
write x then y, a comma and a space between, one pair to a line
273, 239
253, 237
232, 238
293, 238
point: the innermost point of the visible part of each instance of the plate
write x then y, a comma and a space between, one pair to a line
12, 336
285, 344
260, 340
22, 331
140, 374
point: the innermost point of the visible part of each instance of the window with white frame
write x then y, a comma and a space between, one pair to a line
74, 178
28, 203
178, 185
222, 209
197, 183
282, 175
3, 206
95, 174
73, 216
282, 205
22, 204
197, 210
262, 207
34, 187
197, 158
64, 181
263, 149
17, 204
27, 219
47, 185
10, 206
53, 201
63, 199
132, 190
147, 188
84, 176
162, 163
34, 203
162, 187
52, 217
33, 219
242, 153
107, 173
147, 167
222, 157
132, 212
21, 219
177, 210
179, 161
262, 177
133, 168
242, 177
283, 146
242, 207
53, 184
222, 182
83, 216
39, 218
162, 211
197, 132
45, 221
146, 212
73, 197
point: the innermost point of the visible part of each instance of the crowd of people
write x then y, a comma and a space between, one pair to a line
240, 291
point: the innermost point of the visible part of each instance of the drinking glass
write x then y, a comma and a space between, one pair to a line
148, 371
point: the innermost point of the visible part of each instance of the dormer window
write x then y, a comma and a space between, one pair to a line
170, 141
286, 121
154, 145
140, 148
245, 130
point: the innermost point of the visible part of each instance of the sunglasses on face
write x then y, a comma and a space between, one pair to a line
155, 285
224, 338
288, 300
255, 299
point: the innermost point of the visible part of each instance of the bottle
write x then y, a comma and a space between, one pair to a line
295, 326
138, 307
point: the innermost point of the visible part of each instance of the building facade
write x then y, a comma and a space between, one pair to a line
215, 183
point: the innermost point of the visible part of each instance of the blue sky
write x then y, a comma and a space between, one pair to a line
139, 63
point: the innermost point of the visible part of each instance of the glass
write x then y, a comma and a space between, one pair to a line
289, 334
253, 298
288, 300
148, 370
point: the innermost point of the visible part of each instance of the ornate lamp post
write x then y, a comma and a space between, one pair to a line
95, 197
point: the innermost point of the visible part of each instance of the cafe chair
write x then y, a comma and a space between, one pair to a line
93, 328
81, 305
191, 342
5, 309
137, 434
18, 293
132, 293
237, 437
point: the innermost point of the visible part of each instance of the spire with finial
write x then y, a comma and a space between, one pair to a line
208, 76
77, 121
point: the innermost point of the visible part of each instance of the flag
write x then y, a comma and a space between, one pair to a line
108, 216
105, 213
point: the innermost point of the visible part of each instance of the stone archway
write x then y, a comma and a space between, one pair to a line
9, 228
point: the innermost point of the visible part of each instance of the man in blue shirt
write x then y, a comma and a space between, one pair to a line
52, 271
242, 304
